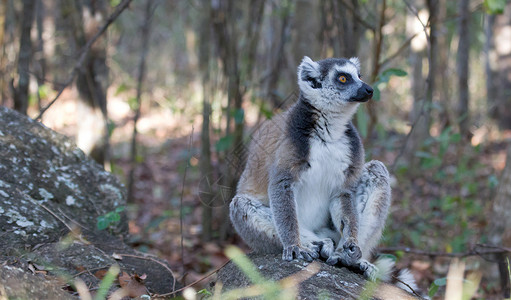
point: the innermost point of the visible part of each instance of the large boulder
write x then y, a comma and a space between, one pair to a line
51, 195
320, 281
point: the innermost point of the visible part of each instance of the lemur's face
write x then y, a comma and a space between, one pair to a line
332, 83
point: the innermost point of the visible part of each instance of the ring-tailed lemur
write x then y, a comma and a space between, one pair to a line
305, 190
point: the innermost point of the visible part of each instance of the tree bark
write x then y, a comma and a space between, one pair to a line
40, 59
145, 33
462, 68
306, 30
447, 114
206, 169
25, 54
490, 66
501, 66
421, 123
92, 79
500, 221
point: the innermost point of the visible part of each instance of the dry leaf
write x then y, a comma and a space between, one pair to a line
124, 278
132, 284
116, 256
100, 274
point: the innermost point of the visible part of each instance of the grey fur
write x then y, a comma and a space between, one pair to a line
305, 191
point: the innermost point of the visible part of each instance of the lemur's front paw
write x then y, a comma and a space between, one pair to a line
348, 256
324, 247
296, 251
369, 270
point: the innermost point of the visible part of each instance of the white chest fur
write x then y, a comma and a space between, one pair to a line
323, 181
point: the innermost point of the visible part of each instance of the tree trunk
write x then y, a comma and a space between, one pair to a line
447, 114
145, 33
421, 124
3, 40
377, 51
462, 68
306, 25
25, 54
40, 59
490, 67
501, 102
92, 80
206, 169
500, 221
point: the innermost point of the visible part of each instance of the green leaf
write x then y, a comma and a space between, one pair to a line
267, 112
435, 285
423, 154
376, 93
239, 115
389, 256
120, 209
493, 181
43, 90
493, 7
114, 3
121, 88
102, 223
224, 143
362, 122
385, 75
205, 292
133, 103
113, 217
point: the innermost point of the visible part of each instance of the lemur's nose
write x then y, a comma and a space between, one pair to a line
369, 90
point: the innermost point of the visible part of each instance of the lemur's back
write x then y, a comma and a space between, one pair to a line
262, 154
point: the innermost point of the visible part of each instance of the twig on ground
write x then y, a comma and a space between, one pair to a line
156, 261
118, 10
74, 222
191, 284
407, 285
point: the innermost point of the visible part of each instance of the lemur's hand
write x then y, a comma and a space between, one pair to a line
296, 251
324, 247
348, 255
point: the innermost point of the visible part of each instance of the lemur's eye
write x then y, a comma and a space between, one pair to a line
360, 76
342, 79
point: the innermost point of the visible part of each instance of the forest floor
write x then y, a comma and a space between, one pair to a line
440, 207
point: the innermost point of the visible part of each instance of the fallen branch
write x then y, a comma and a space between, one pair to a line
191, 284
79, 64
478, 250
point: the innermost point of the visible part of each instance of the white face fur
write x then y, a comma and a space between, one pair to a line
332, 84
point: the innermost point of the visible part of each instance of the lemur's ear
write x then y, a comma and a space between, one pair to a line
308, 71
356, 62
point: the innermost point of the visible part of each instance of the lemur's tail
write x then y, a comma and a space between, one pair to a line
401, 278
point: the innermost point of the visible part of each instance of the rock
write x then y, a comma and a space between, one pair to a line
51, 195
15, 283
325, 282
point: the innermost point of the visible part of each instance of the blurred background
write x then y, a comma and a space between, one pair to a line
170, 92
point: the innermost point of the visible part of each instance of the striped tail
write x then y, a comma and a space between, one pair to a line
402, 278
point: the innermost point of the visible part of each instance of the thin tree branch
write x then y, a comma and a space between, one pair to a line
358, 17
145, 32
398, 51
79, 64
